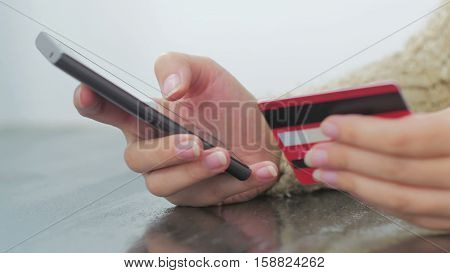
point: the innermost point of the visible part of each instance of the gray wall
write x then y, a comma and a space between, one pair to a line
271, 46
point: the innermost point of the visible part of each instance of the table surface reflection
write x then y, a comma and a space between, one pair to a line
68, 190
324, 221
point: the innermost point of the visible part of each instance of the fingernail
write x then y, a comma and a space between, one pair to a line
187, 150
268, 172
316, 158
171, 85
329, 129
215, 160
325, 176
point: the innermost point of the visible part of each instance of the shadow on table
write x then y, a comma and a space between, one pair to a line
326, 221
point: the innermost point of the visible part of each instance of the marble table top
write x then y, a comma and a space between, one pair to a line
68, 190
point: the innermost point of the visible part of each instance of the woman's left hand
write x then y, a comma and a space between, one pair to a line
401, 166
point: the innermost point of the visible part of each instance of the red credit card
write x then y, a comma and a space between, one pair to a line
295, 122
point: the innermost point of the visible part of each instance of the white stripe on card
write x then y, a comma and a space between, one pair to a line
299, 137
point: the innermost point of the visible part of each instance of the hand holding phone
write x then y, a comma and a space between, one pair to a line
187, 180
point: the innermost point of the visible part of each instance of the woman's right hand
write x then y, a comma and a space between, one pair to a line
177, 167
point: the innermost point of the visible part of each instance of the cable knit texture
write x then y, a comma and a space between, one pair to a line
421, 70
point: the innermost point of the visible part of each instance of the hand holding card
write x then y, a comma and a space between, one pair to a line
295, 122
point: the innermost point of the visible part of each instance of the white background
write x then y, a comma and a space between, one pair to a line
271, 46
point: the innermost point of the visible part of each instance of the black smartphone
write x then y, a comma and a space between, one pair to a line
71, 62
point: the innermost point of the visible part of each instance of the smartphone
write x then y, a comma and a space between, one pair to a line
76, 65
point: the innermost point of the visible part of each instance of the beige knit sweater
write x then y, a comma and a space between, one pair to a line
421, 70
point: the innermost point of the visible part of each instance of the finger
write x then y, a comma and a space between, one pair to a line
178, 73
207, 192
92, 106
264, 174
167, 181
222, 190
246, 195
390, 196
422, 135
149, 155
429, 172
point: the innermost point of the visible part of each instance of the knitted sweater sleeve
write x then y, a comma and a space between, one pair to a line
421, 69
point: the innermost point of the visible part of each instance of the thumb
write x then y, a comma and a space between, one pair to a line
179, 73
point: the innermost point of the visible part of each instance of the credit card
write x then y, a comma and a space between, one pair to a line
295, 122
